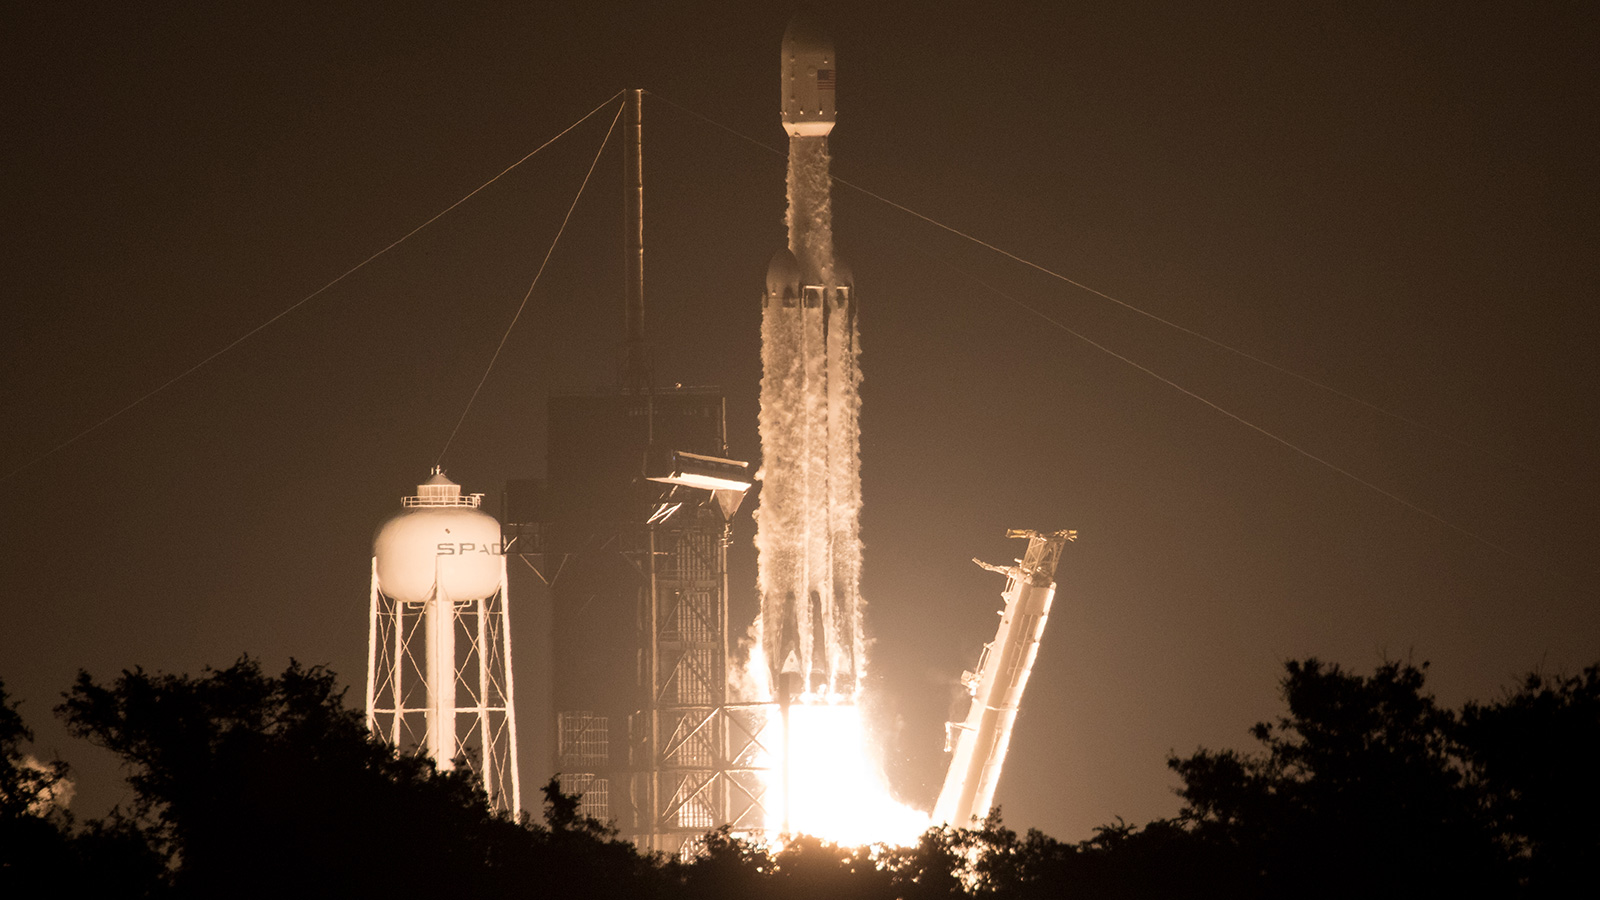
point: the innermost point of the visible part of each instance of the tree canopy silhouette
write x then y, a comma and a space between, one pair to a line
250, 785
1535, 755
43, 852
33, 832
1368, 785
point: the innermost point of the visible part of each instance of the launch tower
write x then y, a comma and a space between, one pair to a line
631, 535
639, 503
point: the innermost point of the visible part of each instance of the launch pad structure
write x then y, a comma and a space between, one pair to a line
978, 743
633, 543
630, 533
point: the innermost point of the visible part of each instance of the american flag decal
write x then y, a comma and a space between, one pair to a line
824, 79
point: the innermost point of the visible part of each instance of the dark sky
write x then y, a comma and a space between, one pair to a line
1395, 200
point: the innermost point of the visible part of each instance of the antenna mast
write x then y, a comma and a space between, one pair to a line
636, 368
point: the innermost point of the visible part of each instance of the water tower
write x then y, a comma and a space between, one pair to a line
439, 657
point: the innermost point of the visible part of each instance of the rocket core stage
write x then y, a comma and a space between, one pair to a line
808, 539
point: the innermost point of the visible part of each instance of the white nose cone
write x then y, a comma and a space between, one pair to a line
440, 540
808, 79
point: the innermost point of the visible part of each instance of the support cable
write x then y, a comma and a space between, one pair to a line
1046, 317
1500, 457
525, 297
297, 304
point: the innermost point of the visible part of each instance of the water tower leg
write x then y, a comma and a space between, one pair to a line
397, 687
441, 679
487, 758
372, 651
510, 692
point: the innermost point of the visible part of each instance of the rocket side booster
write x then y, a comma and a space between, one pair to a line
809, 77
785, 494
810, 501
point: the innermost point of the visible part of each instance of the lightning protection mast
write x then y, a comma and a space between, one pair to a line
979, 743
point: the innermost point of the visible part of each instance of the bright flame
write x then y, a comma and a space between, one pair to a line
839, 793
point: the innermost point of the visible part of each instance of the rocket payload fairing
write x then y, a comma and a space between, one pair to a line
808, 535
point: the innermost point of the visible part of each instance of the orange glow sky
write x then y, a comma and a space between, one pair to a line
1396, 200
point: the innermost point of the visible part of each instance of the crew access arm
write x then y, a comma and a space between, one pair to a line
979, 743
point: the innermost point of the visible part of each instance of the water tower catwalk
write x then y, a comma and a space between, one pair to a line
439, 652
808, 531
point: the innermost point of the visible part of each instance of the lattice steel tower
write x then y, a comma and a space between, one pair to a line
638, 512
632, 541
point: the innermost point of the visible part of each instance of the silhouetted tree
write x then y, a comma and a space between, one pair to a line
248, 785
1535, 755
33, 831
582, 857
808, 867
268, 786
728, 867
42, 851
1163, 858
1360, 790
28, 787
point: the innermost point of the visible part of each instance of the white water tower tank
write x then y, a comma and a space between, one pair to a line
439, 538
